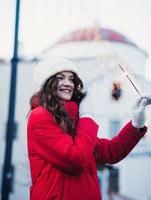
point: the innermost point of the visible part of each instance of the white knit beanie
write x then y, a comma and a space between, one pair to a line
49, 67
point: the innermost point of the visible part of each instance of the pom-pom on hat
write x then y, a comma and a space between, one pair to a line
49, 67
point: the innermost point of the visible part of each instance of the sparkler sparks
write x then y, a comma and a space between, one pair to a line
130, 80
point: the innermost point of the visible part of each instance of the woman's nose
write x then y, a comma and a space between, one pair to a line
67, 82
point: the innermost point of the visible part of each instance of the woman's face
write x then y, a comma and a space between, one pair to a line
65, 85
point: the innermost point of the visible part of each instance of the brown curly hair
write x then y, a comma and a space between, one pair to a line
48, 98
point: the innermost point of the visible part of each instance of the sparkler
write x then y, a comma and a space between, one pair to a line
130, 80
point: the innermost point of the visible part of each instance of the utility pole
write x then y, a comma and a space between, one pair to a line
7, 178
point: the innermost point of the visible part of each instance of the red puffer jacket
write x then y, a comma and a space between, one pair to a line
63, 168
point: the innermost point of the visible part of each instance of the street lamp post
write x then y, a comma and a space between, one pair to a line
7, 167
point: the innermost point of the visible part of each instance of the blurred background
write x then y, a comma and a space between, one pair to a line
97, 35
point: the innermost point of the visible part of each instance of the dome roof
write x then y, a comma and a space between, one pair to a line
95, 34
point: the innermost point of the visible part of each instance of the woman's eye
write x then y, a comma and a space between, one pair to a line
72, 80
60, 78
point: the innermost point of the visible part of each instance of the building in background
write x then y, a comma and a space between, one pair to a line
97, 53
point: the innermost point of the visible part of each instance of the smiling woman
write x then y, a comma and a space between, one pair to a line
63, 146
57, 83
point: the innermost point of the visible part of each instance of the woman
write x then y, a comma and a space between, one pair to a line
62, 136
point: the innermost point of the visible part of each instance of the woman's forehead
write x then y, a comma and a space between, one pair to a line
69, 73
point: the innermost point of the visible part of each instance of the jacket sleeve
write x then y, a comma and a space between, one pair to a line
47, 139
114, 150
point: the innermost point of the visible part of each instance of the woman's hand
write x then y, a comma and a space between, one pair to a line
139, 117
88, 105
85, 107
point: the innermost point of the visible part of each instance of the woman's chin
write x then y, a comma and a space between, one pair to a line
65, 98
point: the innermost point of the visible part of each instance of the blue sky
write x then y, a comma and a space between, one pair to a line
42, 22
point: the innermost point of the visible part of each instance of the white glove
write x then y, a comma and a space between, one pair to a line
88, 105
138, 120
